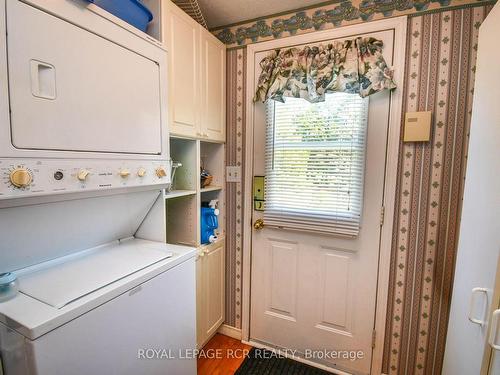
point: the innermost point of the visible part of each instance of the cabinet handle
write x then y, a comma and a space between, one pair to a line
493, 330
202, 254
484, 293
206, 251
205, 135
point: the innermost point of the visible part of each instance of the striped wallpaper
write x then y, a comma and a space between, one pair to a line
440, 64
235, 118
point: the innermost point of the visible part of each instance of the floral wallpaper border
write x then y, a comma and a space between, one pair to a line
327, 17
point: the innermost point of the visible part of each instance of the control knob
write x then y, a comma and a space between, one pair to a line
161, 172
141, 172
20, 177
83, 174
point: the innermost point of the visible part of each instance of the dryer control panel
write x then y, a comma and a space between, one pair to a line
32, 177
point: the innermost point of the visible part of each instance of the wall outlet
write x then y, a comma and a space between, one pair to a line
233, 173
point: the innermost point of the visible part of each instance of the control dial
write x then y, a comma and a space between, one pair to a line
161, 172
124, 173
20, 177
141, 172
83, 174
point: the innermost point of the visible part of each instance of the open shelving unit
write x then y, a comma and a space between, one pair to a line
197, 126
183, 202
212, 158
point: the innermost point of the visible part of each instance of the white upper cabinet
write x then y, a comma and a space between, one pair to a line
197, 70
213, 64
182, 40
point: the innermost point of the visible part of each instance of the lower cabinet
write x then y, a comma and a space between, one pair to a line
209, 291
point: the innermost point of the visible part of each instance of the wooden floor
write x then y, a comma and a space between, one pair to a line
222, 355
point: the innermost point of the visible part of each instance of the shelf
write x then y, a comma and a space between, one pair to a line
210, 188
178, 193
186, 176
214, 244
182, 217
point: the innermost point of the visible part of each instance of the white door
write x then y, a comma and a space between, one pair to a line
311, 291
479, 242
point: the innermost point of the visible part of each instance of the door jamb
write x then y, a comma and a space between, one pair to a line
398, 25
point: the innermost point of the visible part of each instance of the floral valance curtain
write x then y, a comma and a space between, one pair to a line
352, 66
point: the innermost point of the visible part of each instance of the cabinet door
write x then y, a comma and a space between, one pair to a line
214, 284
213, 63
209, 292
183, 44
200, 302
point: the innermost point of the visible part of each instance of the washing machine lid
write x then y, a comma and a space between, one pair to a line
62, 283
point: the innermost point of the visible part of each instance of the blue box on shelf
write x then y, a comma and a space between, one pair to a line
131, 11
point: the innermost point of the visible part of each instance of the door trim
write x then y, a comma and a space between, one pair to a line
398, 25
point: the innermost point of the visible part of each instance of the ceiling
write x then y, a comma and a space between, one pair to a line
225, 12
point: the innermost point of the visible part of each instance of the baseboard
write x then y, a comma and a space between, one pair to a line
233, 332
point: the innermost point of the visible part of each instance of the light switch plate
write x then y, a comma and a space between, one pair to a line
417, 126
233, 173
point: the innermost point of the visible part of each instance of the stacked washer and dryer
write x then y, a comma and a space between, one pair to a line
84, 159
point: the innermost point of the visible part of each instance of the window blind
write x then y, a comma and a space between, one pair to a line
315, 160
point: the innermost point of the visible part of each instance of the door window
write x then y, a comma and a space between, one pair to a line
315, 159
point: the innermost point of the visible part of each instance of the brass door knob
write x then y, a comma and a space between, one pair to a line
258, 224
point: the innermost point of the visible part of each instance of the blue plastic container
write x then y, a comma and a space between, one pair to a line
209, 223
131, 11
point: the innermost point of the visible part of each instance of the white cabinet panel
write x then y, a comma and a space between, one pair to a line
63, 72
183, 45
209, 291
197, 86
213, 76
214, 281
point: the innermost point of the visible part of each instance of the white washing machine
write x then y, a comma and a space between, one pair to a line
101, 313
